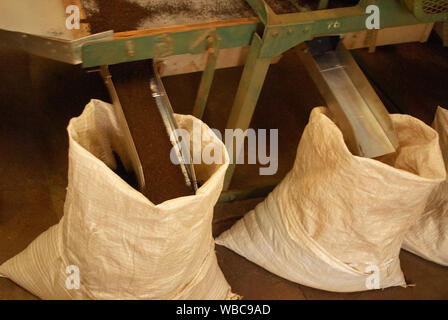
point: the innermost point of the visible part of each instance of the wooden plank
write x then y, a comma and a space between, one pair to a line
404, 34
84, 29
189, 63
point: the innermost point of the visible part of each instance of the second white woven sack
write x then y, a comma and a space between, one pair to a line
337, 221
428, 237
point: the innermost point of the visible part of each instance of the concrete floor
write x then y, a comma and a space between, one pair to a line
38, 97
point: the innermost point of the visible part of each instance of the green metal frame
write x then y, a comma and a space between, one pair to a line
269, 37
163, 44
284, 31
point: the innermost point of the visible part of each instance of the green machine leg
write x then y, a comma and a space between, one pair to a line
246, 97
207, 78
371, 39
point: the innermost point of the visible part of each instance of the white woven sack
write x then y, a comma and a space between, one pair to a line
428, 238
124, 246
337, 221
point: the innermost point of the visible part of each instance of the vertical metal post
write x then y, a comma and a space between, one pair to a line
207, 77
371, 39
246, 98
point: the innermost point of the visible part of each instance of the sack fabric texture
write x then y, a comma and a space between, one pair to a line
337, 221
428, 238
122, 245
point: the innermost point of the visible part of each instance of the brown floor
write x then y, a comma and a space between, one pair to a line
426, 280
38, 97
